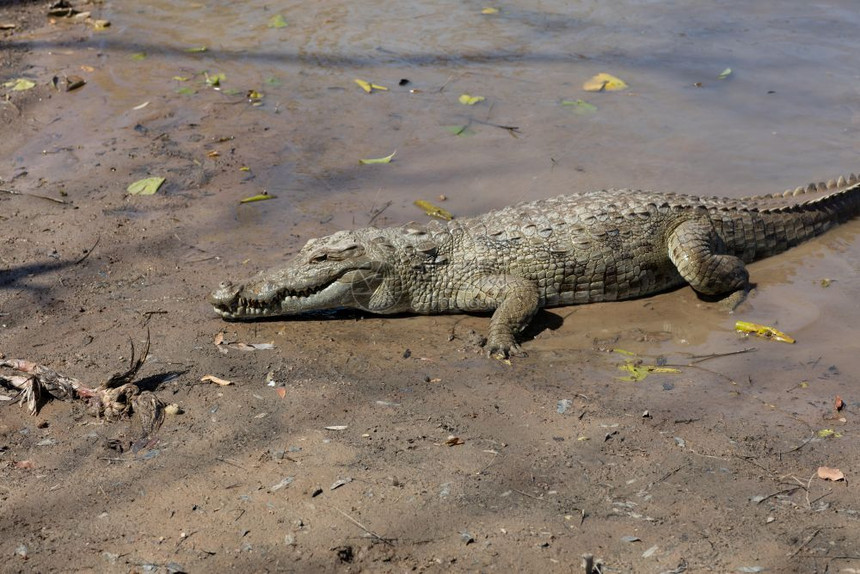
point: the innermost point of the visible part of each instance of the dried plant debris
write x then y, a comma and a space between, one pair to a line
112, 399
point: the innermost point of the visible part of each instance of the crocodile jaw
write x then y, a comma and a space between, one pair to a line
247, 302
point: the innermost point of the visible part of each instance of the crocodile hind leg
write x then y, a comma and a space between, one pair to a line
695, 250
514, 300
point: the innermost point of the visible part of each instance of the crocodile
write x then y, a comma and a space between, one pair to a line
605, 245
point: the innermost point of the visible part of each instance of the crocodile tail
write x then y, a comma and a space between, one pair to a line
762, 228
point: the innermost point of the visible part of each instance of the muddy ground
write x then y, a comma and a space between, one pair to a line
383, 444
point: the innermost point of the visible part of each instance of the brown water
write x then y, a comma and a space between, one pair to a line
785, 116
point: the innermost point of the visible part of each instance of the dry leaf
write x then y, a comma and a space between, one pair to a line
219, 338
25, 464
216, 380
454, 441
828, 473
839, 403
282, 392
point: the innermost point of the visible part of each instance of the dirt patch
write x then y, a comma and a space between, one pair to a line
379, 444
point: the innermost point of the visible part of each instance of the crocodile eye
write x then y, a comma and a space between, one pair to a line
346, 253
319, 257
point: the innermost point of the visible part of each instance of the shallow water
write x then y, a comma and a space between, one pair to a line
785, 116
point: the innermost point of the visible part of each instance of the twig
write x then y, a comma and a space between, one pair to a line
87, 254
791, 490
377, 212
805, 542
797, 448
54, 199
363, 527
702, 358
230, 462
528, 495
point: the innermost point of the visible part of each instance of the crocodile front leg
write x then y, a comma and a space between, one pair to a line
695, 250
515, 301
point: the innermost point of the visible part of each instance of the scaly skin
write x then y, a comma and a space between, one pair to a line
603, 245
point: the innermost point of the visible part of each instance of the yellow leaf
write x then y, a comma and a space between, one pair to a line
386, 159
489, 11
19, 84
259, 197
433, 211
604, 83
277, 21
378, 87
468, 100
725, 74
146, 186
763, 331
244, 168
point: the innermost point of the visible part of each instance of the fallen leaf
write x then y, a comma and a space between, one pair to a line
277, 21
828, 433
433, 210
181, 78
138, 56
763, 331
490, 11
282, 392
213, 153
219, 338
337, 427
468, 100
386, 159
254, 95
725, 74
196, 49
369, 87
25, 464
100, 24
74, 82
639, 372
580, 106
140, 106
454, 441
839, 404
827, 473
146, 186
215, 79
259, 197
20, 84
604, 83
216, 380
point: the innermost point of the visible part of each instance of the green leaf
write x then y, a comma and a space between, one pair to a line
386, 159
277, 21
580, 107
259, 197
137, 57
725, 74
20, 84
186, 91
147, 186
196, 49
468, 100
214, 80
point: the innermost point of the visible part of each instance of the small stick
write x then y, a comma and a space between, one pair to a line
87, 254
363, 527
54, 199
805, 542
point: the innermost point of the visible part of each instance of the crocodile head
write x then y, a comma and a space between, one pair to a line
344, 270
